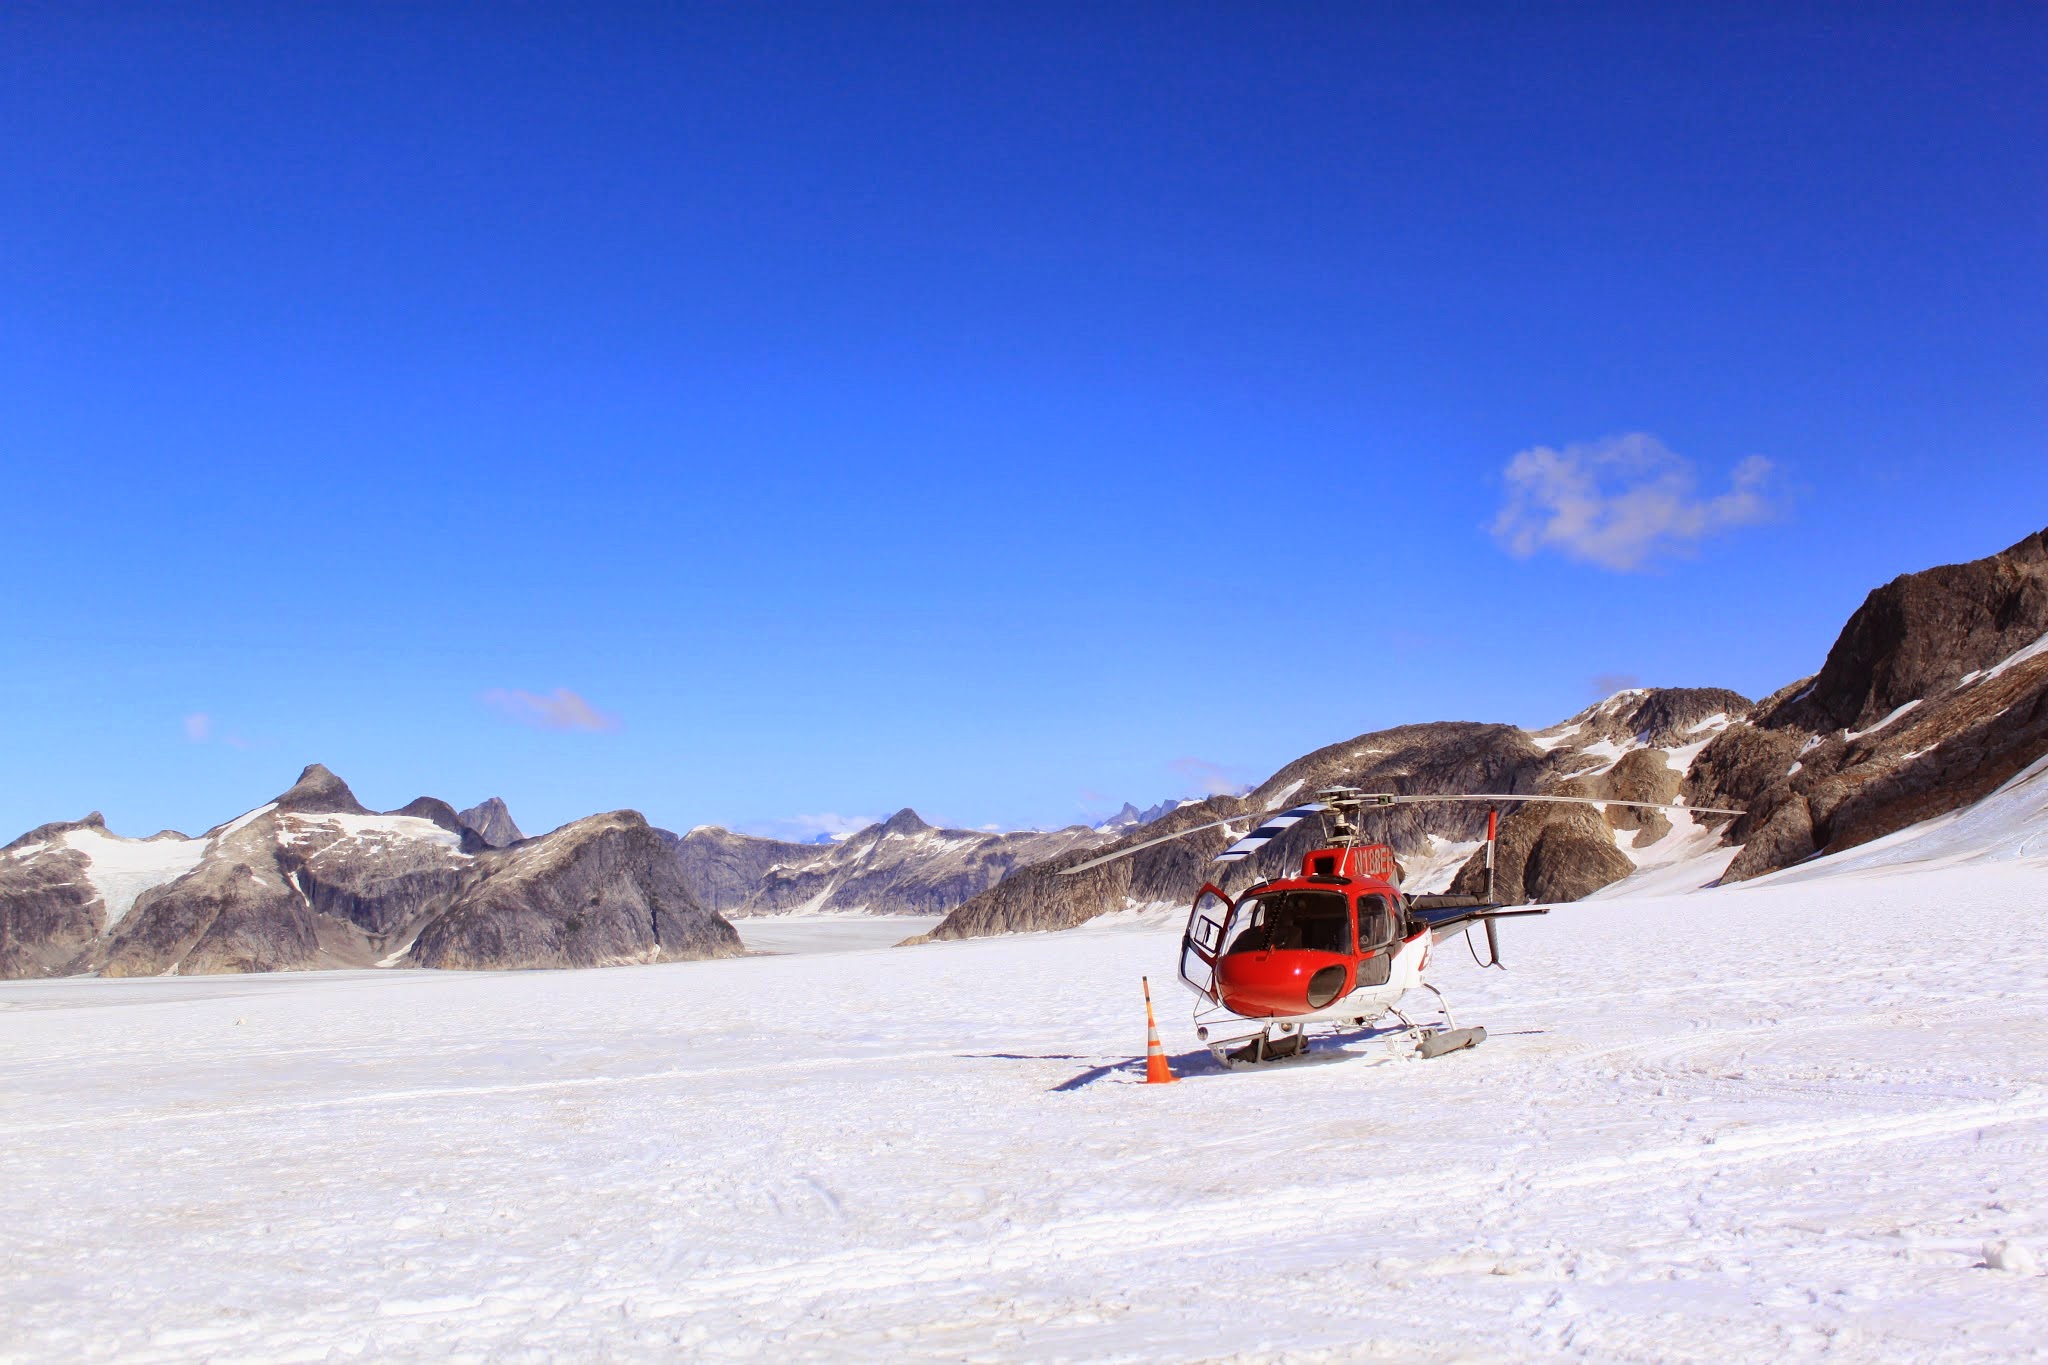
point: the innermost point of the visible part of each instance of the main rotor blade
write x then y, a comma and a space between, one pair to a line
1281, 795
1266, 833
1498, 798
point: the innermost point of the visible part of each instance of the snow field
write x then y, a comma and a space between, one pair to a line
1780, 1120
122, 869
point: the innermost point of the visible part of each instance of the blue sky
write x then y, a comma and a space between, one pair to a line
776, 415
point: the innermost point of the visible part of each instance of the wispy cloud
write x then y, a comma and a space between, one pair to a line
1210, 779
560, 709
807, 828
1622, 503
200, 729
1607, 684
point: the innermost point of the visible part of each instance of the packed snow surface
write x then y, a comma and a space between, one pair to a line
829, 933
1754, 1122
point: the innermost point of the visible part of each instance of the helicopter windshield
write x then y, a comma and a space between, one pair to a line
1314, 921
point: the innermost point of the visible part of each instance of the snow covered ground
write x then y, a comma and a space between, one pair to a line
1787, 1119
829, 933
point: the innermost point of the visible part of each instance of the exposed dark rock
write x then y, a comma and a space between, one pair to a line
1738, 767
602, 891
1660, 717
435, 810
1921, 633
1447, 756
1574, 856
1780, 834
1916, 713
1548, 852
1039, 897
238, 911
901, 866
49, 913
1639, 775
493, 823
320, 792
43, 834
905, 822
314, 880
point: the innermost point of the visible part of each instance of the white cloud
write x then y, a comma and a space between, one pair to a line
1622, 503
557, 710
199, 728
1607, 684
1211, 779
807, 828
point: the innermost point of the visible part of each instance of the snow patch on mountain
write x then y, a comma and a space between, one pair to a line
1547, 740
1892, 716
122, 869
241, 821
1431, 871
372, 829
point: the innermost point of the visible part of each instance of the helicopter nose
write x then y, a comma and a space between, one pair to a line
1262, 985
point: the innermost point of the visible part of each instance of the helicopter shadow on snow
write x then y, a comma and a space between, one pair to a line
1325, 1050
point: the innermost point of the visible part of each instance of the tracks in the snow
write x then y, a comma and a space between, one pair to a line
1245, 1225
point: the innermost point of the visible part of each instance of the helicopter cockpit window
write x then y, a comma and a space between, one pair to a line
1375, 922
1315, 921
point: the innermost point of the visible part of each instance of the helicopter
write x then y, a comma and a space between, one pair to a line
1338, 945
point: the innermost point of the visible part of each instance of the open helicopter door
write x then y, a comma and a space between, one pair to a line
1202, 942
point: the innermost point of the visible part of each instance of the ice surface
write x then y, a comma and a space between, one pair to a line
1794, 1117
829, 933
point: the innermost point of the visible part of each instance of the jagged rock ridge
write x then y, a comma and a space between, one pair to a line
492, 822
900, 866
1584, 755
316, 879
1130, 817
1935, 693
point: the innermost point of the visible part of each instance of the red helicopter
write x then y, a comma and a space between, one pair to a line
1339, 945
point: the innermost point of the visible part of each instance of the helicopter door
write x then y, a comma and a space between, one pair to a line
1208, 918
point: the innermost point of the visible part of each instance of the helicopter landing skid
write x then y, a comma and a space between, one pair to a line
1273, 1043
1437, 1040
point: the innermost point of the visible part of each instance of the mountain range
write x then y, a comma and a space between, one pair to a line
900, 866
315, 879
1934, 693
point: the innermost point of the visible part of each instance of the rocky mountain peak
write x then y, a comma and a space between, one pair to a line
320, 792
435, 810
44, 833
1922, 632
905, 821
1130, 817
492, 822
1657, 716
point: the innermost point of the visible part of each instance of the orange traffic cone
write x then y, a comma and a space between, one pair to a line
1157, 1072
